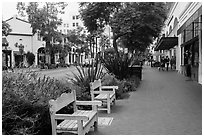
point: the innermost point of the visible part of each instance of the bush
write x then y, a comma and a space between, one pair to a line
124, 86
117, 66
83, 78
30, 58
25, 97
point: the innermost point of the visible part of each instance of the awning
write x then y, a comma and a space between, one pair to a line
165, 43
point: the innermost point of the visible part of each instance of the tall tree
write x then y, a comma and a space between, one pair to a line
43, 18
137, 23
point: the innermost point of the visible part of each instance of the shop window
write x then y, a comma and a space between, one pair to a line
196, 27
73, 24
77, 24
73, 17
189, 32
195, 57
183, 37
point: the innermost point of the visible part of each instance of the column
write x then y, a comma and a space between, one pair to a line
70, 57
36, 59
12, 59
67, 59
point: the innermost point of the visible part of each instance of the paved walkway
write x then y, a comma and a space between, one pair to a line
164, 104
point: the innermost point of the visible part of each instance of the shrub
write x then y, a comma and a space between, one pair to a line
30, 58
84, 76
117, 66
124, 86
25, 97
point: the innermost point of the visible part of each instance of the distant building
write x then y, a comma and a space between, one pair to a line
70, 21
21, 40
182, 38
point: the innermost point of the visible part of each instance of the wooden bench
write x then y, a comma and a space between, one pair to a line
108, 97
79, 122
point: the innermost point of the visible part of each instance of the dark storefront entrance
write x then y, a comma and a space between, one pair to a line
191, 58
191, 39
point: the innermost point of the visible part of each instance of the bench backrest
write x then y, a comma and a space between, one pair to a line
64, 100
95, 85
55, 105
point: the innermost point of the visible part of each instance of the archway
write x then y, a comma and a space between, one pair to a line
41, 56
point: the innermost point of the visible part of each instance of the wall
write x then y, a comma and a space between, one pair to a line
183, 11
22, 30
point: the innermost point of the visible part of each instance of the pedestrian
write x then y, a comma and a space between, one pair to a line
172, 62
162, 64
167, 63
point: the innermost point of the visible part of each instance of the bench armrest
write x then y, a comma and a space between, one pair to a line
99, 103
71, 117
109, 87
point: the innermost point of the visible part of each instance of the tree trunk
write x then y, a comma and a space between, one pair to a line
47, 52
115, 46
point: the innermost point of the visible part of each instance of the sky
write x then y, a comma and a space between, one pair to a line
9, 6
6, 14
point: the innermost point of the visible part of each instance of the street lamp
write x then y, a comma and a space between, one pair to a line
21, 50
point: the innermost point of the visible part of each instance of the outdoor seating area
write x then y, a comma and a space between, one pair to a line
106, 94
102, 68
79, 122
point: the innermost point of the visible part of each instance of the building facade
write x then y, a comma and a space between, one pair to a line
20, 41
182, 38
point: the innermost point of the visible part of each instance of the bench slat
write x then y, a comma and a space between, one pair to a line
103, 96
71, 125
89, 103
109, 87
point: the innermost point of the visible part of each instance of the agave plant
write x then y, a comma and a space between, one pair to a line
84, 76
118, 66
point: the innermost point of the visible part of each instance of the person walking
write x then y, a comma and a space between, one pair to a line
167, 63
172, 62
162, 64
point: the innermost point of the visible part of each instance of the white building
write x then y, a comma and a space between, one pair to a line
22, 36
183, 38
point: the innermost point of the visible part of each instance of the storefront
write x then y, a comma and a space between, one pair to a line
166, 46
191, 46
